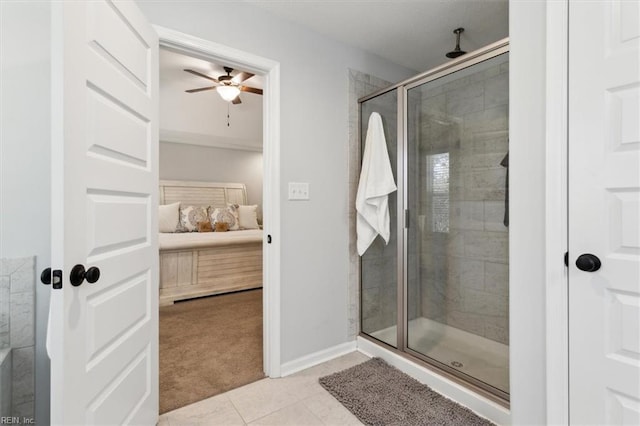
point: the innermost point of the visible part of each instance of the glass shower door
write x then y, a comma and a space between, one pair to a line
379, 264
457, 239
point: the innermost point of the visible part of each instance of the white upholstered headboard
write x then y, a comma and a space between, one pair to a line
191, 193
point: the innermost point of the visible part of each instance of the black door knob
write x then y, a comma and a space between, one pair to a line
92, 275
78, 275
45, 276
588, 262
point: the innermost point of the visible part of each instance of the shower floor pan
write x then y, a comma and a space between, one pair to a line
476, 356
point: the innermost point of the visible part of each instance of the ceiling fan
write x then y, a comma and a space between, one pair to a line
228, 87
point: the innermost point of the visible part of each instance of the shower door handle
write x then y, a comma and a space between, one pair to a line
588, 262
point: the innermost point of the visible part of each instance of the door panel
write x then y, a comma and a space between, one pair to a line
116, 132
117, 221
104, 358
604, 215
129, 52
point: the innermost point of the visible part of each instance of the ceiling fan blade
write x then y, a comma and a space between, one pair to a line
202, 89
242, 77
199, 74
237, 100
250, 90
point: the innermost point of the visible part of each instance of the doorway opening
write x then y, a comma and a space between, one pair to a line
211, 257
264, 159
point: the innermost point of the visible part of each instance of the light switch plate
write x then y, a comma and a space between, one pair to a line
298, 191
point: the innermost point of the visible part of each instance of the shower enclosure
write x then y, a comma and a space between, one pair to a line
438, 292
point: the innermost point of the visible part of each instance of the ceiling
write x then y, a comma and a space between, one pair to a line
412, 33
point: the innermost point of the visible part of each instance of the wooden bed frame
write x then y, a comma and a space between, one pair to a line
189, 273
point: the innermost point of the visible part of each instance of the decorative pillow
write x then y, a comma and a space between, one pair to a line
222, 226
227, 214
247, 216
205, 226
168, 217
190, 216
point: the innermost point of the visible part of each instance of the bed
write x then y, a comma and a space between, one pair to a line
197, 264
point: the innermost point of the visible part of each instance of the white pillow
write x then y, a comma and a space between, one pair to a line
248, 217
168, 217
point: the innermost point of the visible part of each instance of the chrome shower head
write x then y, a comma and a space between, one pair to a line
457, 51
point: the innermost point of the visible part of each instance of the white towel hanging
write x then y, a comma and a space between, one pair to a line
376, 183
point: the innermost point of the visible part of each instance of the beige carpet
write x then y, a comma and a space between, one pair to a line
209, 346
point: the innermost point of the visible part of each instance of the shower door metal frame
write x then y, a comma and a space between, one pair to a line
403, 214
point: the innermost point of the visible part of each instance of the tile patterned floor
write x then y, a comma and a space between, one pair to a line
296, 400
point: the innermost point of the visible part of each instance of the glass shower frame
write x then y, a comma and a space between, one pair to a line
401, 348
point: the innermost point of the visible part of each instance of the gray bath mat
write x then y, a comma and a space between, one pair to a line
381, 395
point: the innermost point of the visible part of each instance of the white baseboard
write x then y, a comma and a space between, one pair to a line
316, 358
478, 404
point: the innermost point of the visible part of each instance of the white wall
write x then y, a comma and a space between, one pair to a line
314, 143
192, 162
25, 156
528, 205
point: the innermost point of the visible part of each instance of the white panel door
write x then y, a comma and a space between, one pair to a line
104, 349
604, 211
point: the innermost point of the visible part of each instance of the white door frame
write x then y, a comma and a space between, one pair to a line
556, 189
271, 179
540, 393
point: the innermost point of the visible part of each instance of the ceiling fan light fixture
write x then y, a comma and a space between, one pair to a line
228, 93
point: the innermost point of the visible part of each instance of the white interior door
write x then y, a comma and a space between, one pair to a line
604, 211
104, 335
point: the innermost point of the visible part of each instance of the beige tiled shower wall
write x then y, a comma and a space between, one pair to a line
17, 330
463, 273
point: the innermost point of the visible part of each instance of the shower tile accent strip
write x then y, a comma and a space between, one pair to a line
360, 84
17, 330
